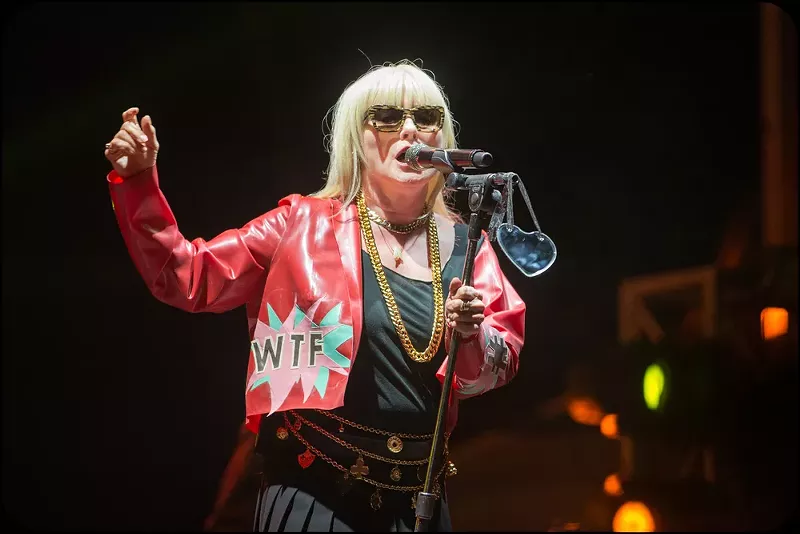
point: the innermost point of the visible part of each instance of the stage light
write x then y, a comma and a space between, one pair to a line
774, 323
655, 386
585, 411
633, 516
608, 426
613, 485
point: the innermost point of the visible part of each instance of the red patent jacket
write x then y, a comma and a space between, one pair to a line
297, 269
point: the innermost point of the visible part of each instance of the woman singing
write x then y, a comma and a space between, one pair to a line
352, 294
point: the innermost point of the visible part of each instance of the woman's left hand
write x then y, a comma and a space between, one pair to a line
463, 308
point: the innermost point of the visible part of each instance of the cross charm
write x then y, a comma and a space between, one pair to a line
359, 469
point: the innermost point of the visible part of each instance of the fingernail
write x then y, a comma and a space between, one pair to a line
143, 138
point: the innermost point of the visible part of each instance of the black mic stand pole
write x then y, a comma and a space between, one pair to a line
482, 198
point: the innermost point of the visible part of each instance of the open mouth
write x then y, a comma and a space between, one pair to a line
401, 156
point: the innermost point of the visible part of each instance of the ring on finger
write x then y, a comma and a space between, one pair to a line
465, 304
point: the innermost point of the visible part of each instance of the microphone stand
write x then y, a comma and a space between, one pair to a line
483, 198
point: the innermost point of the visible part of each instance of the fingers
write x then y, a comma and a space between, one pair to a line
129, 133
455, 283
464, 306
465, 318
130, 138
150, 131
134, 148
120, 147
135, 132
459, 293
130, 124
124, 143
129, 115
467, 293
464, 294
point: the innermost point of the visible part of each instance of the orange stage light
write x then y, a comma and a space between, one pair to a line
613, 486
608, 426
633, 516
774, 322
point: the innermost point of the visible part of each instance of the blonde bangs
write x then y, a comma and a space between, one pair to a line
392, 86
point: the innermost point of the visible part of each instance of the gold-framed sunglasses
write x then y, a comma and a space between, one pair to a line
391, 118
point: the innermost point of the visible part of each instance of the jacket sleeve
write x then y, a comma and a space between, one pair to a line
490, 359
196, 276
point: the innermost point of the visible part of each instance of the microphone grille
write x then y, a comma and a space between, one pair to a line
412, 155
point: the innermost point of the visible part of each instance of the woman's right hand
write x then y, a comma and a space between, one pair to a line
135, 148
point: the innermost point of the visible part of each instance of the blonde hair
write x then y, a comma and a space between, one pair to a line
382, 84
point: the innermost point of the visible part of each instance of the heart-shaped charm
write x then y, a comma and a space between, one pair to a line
305, 459
530, 252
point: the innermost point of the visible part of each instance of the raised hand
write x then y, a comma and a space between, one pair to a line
134, 147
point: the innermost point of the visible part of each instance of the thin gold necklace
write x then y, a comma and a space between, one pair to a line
388, 297
397, 251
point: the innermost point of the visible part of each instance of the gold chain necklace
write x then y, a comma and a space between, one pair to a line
399, 228
388, 297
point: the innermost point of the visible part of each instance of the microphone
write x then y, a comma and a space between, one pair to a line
420, 156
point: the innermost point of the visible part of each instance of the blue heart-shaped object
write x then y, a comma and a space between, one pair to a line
532, 253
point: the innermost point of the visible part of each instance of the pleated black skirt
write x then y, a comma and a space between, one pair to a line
287, 509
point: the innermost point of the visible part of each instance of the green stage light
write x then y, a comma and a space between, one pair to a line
655, 386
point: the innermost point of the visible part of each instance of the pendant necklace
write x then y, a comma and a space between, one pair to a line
397, 250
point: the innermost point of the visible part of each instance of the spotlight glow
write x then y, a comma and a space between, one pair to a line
654, 385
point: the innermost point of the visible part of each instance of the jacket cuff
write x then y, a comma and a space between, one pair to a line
115, 179
132, 190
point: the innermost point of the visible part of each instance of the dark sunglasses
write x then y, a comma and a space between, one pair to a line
391, 118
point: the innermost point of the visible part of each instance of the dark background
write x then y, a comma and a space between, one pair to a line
633, 125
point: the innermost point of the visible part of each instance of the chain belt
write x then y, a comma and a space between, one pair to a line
359, 471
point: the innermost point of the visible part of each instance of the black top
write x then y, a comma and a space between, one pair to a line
386, 388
